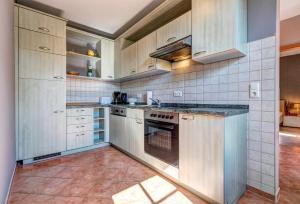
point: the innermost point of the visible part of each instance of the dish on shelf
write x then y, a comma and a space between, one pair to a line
73, 73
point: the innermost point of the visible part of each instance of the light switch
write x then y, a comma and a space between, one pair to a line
254, 90
177, 93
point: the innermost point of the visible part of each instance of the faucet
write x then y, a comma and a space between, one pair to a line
155, 101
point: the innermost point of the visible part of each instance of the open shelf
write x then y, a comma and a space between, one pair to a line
97, 118
87, 57
98, 130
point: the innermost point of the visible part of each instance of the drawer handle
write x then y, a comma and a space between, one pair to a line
171, 39
77, 135
82, 118
62, 111
82, 110
132, 71
139, 122
58, 77
44, 48
55, 111
82, 134
199, 53
150, 66
187, 118
82, 126
44, 29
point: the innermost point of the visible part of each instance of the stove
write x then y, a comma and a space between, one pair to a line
162, 116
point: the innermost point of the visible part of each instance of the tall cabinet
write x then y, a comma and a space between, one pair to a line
40, 83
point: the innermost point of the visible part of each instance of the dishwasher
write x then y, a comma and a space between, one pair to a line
117, 125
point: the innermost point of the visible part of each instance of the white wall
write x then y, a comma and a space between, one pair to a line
7, 137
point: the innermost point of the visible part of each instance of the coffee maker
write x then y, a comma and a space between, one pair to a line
119, 98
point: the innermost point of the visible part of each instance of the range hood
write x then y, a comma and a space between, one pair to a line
176, 51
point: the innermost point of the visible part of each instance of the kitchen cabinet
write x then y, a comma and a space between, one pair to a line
145, 46
175, 30
40, 84
39, 22
213, 155
107, 59
40, 65
41, 42
118, 132
129, 60
219, 30
42, 118
135, 132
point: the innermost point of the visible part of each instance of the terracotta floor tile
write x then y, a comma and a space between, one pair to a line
100, 175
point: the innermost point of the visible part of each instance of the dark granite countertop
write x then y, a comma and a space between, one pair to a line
206, 109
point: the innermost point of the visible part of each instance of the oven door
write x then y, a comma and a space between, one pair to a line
161, 141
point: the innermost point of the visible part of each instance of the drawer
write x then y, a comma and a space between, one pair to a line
80, 128
80, 112
40, 42
80, 120
135, 113
41, 23
79, 140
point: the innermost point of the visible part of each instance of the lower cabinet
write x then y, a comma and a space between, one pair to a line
127, 133
42, 118
135, 132
79, 140
213, 155
118, 132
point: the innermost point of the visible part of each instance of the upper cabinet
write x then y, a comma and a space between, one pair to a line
145, 46
129, 60
42, 23
175, 30
219, 30
107, 59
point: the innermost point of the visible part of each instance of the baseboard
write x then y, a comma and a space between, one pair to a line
10, 184
261, 193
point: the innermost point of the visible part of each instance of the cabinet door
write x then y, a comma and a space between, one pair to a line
146, 46
41, 42
107, 59
129, 60
79, 140
41, 23
118, 132
135, 130
214, 21
42, 117
40, 65
201, 154
175, 30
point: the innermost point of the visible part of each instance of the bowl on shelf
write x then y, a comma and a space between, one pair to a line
73, 73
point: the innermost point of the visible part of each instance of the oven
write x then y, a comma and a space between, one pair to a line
162, 136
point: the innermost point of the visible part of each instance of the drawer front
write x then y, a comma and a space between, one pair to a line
80, 112
41, 23
79, 140
80, 128
135, 113
40, 42
79, 120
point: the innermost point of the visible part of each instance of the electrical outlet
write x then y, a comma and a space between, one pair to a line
254, 90
177, 93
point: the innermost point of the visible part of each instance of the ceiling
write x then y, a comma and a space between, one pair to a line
289, 9
108, 16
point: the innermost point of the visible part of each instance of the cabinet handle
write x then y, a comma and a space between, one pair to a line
58, 77
82, 126
171, 39
77, 135
150, 66
109, 77
139, 122
199, 53
82, 134
82, 110
187, 117
55, 111
44, 48
62, 111
44, 29
82, 118
133, 71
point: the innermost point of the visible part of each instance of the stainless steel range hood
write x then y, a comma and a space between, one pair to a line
176, 51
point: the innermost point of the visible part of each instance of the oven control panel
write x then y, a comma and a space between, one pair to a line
168, 117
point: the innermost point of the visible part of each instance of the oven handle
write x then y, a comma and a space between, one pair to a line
161, 126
